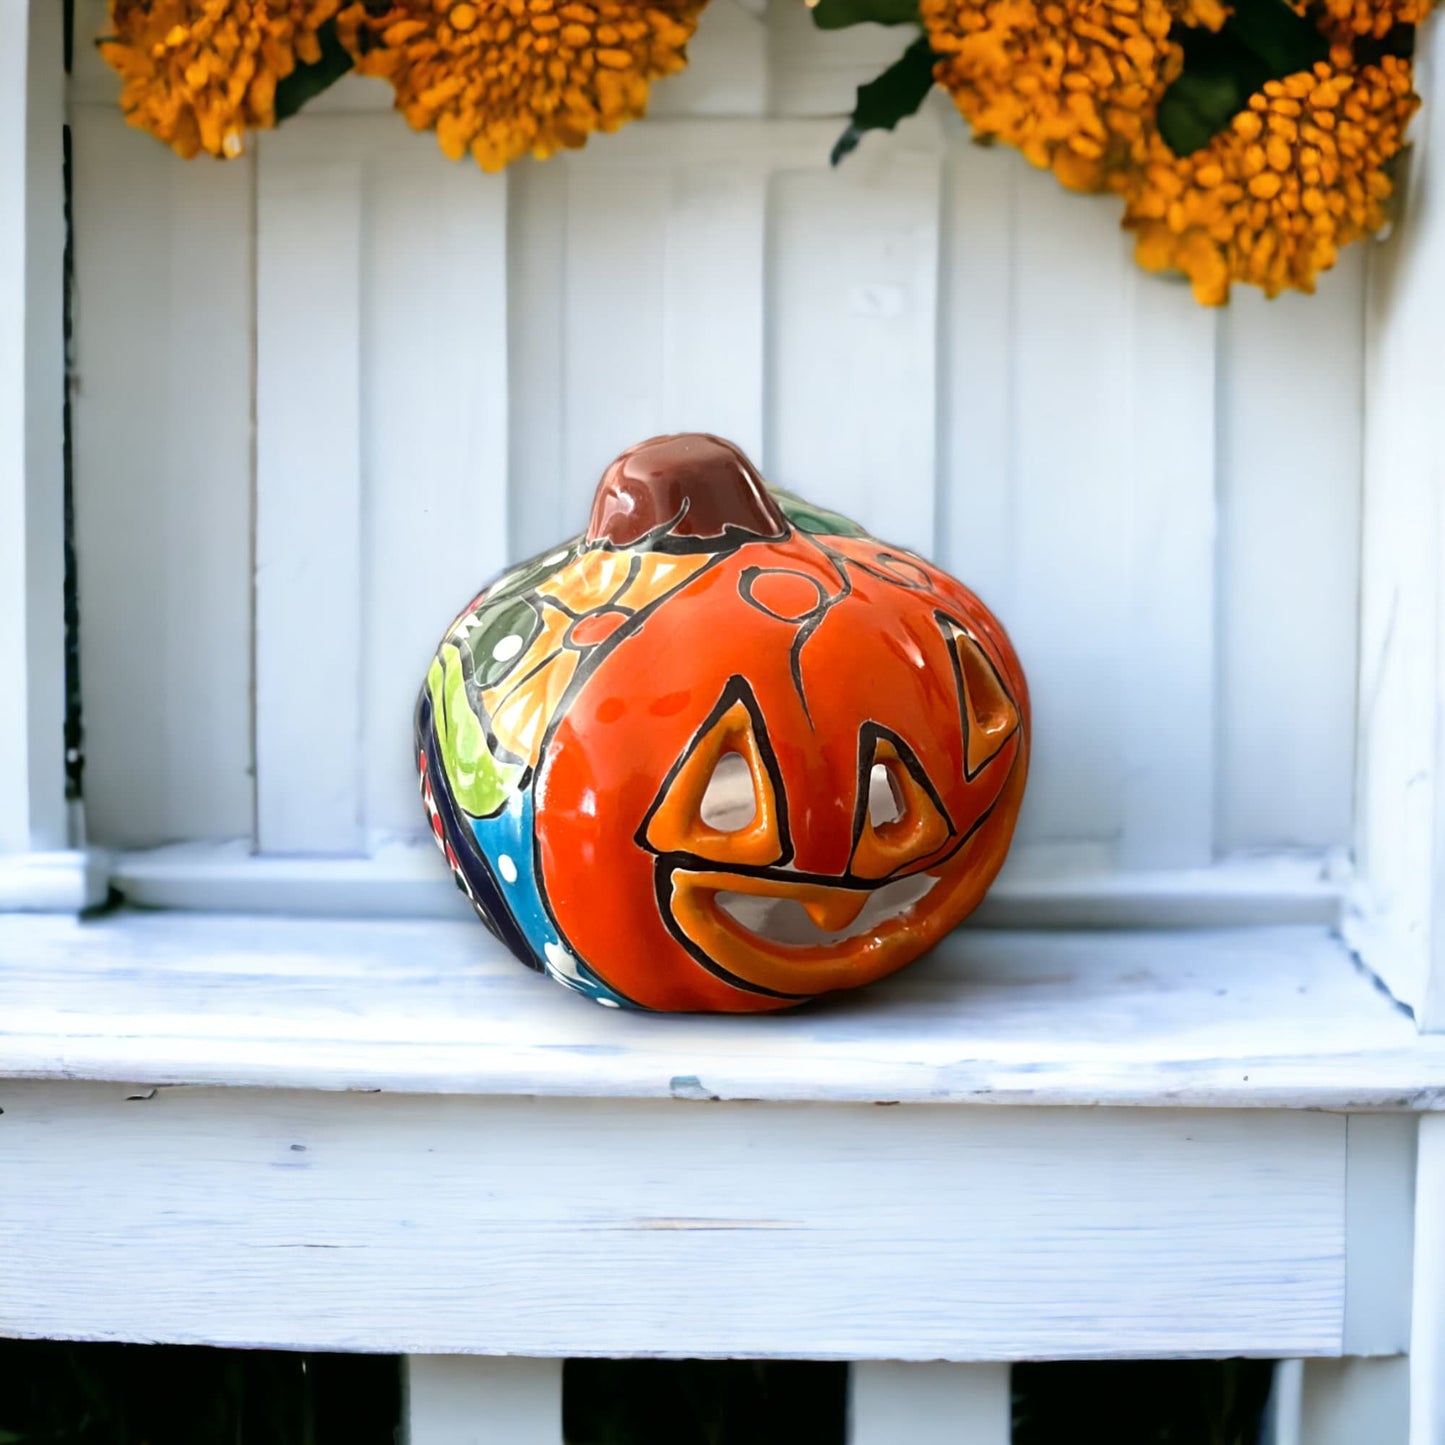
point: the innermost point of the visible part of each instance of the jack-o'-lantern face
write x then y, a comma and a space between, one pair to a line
790, 761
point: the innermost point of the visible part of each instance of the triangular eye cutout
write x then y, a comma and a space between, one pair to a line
990, 716
898, 818
721, 799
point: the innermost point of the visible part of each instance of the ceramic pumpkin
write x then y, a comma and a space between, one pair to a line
725, 751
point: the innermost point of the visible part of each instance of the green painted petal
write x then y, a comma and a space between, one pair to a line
497, 635
480, 784
817, 521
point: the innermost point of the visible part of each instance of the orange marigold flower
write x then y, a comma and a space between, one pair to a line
1366, 17
1273, 197
1072, 83
199, 73
502, 78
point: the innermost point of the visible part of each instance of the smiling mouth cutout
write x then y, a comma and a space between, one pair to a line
794, 936
810, 916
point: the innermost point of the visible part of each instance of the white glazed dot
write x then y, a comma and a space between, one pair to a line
608, 1002
507, 868
507, 648
553, 559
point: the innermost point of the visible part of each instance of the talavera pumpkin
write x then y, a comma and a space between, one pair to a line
724, 751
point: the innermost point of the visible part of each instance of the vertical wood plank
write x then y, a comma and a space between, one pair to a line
616, 228
712, 304
928, 1404
536, 337
33, 814
1427, 1324
813, 73
1281, 1422
308, 499
1379, 1228
1290, 440
1168, 740
1073, 489
476, 1400
1352, 1401
852, 284
434, 432
162, 417
655, 325
975, 385
727, 66
1399, 923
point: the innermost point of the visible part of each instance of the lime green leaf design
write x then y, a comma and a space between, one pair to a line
480, 783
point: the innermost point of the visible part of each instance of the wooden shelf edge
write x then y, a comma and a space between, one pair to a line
1240, 1018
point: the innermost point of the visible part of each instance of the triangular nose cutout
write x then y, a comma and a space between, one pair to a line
919, 830
990, 717
675, 823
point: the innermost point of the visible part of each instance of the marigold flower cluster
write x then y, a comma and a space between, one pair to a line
1376, 18
1300, 172
504, 78
198, 74
1271, 199
497, 78
1073, 84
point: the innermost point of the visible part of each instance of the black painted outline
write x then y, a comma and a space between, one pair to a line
735, 690
487, 897
662, 538
879, 570
669, 863
869, 736
951, 643
748, 577
662, 886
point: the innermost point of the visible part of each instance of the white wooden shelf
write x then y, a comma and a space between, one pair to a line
1269, 1017
451, 1154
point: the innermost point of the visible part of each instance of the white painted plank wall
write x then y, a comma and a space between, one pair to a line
933, 337
1399, 907
164, 354
309, 499
434, 437
1290, 438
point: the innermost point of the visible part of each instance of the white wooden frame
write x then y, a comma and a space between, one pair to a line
1345, 1305
38, 865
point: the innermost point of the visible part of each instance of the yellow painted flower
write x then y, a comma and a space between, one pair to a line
1273, 197
1072, 83
504, 78
198, 74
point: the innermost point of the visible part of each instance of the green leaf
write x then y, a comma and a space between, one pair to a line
306, 82
883, 102
1197, 107
838, 14
1262, 40
1283, 41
